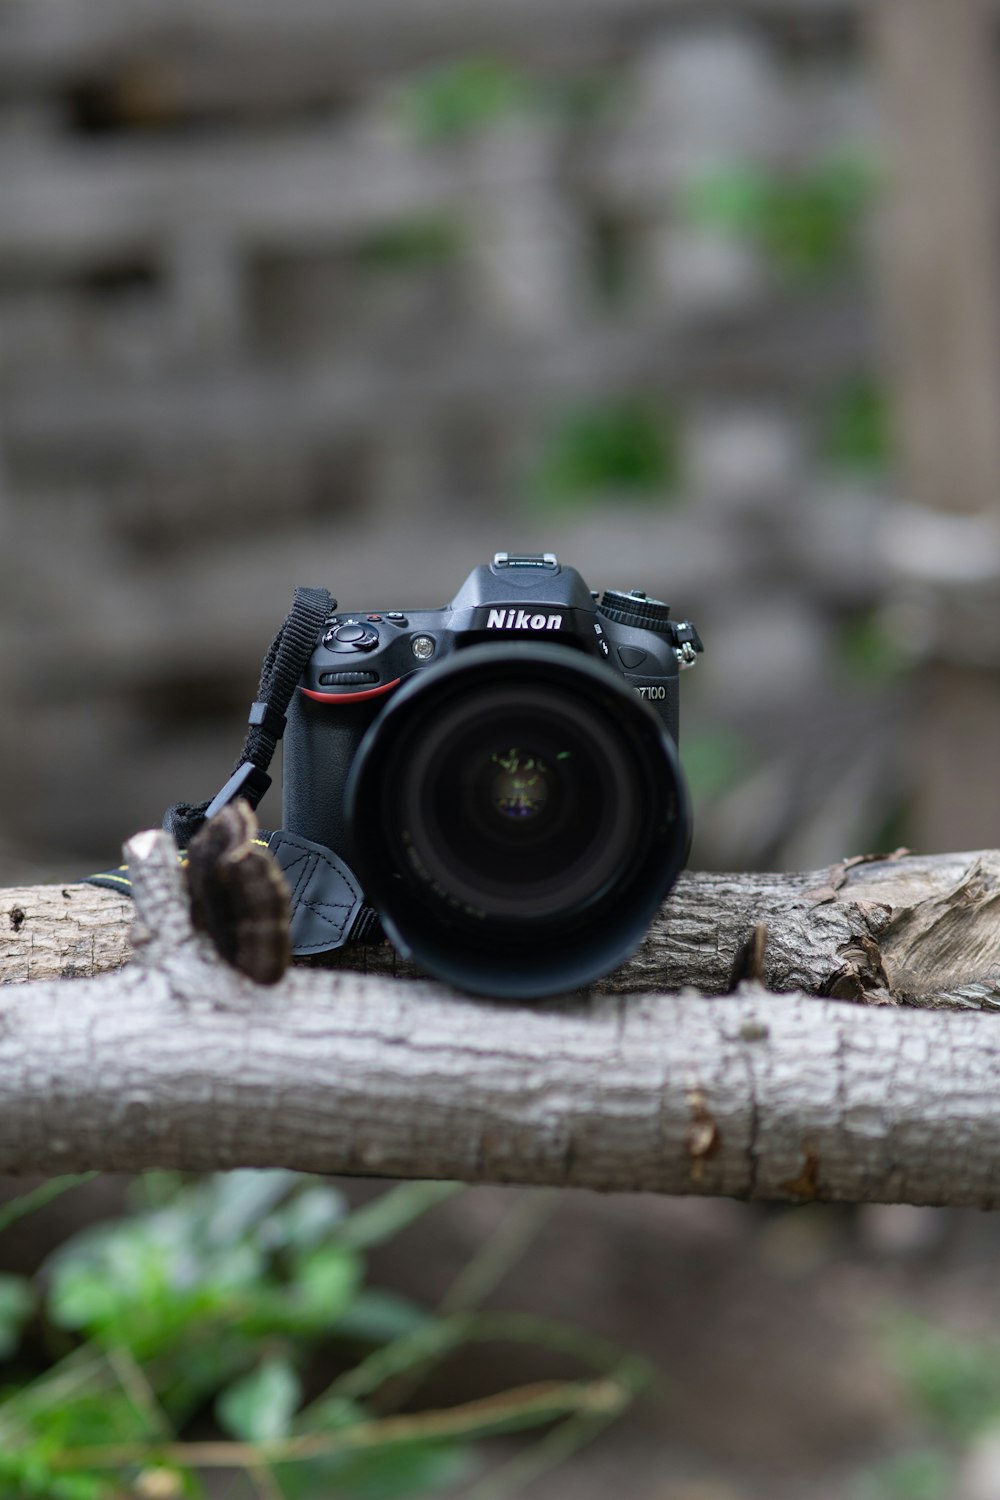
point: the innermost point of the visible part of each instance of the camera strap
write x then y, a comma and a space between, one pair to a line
283, 665
328, 906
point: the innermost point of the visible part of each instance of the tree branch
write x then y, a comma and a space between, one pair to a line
179, 1061
918, 931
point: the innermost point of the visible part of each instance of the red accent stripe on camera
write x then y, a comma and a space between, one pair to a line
375, 692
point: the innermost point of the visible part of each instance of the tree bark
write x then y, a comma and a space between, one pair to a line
901, 929
179, 1061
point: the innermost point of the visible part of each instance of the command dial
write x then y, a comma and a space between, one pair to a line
636, 610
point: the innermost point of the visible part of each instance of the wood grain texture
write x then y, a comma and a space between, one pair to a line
180, 1061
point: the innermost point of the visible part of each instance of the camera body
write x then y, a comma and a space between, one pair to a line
364, 658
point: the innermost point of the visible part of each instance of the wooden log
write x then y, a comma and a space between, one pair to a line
903, 930
179, 1061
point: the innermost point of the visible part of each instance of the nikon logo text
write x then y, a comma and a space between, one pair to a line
520, 619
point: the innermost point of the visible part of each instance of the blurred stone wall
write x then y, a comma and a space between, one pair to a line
355, 295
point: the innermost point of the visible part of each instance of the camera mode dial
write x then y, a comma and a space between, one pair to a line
636, 610
352, 635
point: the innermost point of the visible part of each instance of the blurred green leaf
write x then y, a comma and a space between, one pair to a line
626, 445
581, 98
459, 98
405, 1469
924, 1475
141, 1283
412, 243
27, 1203
954, 1381
383, 1219
215, 1297
261, 1405
305, 1220
733, 198
235, 1201
28, 1476
17, 1303
325, 1281
806, 222
854, 429
378, 1317
868, 652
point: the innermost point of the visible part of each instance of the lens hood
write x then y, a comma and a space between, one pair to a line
517, 814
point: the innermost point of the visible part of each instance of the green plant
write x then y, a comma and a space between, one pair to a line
188, 1335
415, 243
867, 650
854, 428
461, 98
806, 222
952, 1384
953, 1380
620, 446
924, 1475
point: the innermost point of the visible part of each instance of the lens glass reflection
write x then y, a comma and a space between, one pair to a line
520, 787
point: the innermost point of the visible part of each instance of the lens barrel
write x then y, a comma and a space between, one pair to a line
517, 815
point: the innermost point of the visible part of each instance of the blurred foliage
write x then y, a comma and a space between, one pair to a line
459, 99
855, 429
806, 222
715, 760
868, 651
953, 1380
417, 243
625, 446
952, 1383
923, 1475
27, 1203
210, 1303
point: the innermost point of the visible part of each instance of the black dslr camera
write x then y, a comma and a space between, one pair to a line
501, 774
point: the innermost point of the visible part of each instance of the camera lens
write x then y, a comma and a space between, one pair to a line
518, 800
517, 816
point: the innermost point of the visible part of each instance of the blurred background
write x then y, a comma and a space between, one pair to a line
703, 298
699, 297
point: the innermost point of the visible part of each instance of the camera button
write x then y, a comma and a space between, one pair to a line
631, 656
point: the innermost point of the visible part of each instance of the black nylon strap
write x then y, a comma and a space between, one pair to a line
283, 666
